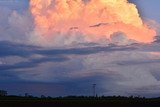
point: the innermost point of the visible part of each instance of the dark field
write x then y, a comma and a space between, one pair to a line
15, 101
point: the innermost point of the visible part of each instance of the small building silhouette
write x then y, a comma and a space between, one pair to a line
3, 93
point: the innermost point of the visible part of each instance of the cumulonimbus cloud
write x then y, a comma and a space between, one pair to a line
56, 21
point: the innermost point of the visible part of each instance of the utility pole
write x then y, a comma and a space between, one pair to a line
94, 90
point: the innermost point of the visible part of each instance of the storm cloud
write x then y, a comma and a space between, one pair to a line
119, 65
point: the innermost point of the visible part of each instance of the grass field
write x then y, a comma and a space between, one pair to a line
15, 101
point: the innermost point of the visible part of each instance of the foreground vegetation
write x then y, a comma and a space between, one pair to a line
30, 101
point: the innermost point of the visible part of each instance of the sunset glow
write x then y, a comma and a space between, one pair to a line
96, 19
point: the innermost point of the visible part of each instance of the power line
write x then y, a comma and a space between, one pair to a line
94, 90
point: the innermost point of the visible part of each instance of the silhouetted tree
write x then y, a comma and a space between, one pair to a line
26, 94
42, 96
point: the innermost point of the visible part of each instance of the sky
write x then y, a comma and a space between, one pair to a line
148, 8
68, 64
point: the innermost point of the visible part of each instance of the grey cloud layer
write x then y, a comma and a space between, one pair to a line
113, 68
